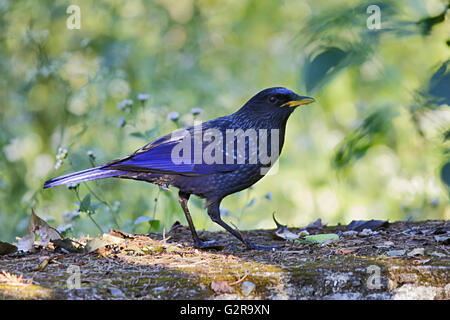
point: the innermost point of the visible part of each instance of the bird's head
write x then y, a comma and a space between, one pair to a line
277, 102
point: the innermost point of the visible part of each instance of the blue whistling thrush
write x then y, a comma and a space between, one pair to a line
211, 160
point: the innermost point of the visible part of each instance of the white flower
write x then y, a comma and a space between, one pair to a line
196, 111
173, 115
143, 96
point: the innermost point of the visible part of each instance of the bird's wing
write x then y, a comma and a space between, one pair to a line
163, 156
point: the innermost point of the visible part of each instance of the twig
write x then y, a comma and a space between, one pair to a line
241, 279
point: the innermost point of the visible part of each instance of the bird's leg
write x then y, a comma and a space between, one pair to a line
198, 243
214, 213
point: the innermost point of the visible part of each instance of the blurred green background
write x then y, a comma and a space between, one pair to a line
375, 145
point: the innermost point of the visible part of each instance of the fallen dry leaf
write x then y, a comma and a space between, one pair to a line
6, 248
360, 225
316, 224
25, 243
45, 260
37, 226
283, 232
68, 245
416, 252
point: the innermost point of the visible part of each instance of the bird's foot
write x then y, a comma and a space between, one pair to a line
251, 246
211, 244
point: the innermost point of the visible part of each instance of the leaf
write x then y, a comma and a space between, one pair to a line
47, 234
221, 287
440, 83
427, 24
283, 232
68, 245
153, 249
95, 244
121, 234
85, 204
146, 135
319, 68
94, 206
395, 253
321, 238
316, 224
103, 241
44, 263
374, 129
154, 224
443, 239
175, 226
445, 173
7, 248
142, 219
112, 239
37, 226
172, 249
416, 252
25, 243
137, 135
359, 225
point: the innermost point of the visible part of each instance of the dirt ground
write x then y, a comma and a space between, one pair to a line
401, 260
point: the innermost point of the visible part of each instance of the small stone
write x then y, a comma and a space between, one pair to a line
438, 254
443, 239
117, 292
366, 232
247, 287
396, 253
416, 252
350, 233
385, 245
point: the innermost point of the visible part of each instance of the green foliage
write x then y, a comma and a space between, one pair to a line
374, 145
373, 130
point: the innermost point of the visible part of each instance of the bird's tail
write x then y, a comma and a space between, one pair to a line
80, 176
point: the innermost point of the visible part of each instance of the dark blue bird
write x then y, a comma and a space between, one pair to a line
212, 159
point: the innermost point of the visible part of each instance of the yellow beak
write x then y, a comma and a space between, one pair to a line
296, 103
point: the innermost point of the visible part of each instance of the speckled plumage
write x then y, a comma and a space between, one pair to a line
154, 162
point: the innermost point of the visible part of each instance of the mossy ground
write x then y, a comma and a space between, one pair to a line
150, 267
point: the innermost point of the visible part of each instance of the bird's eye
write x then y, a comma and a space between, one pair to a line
272, 99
